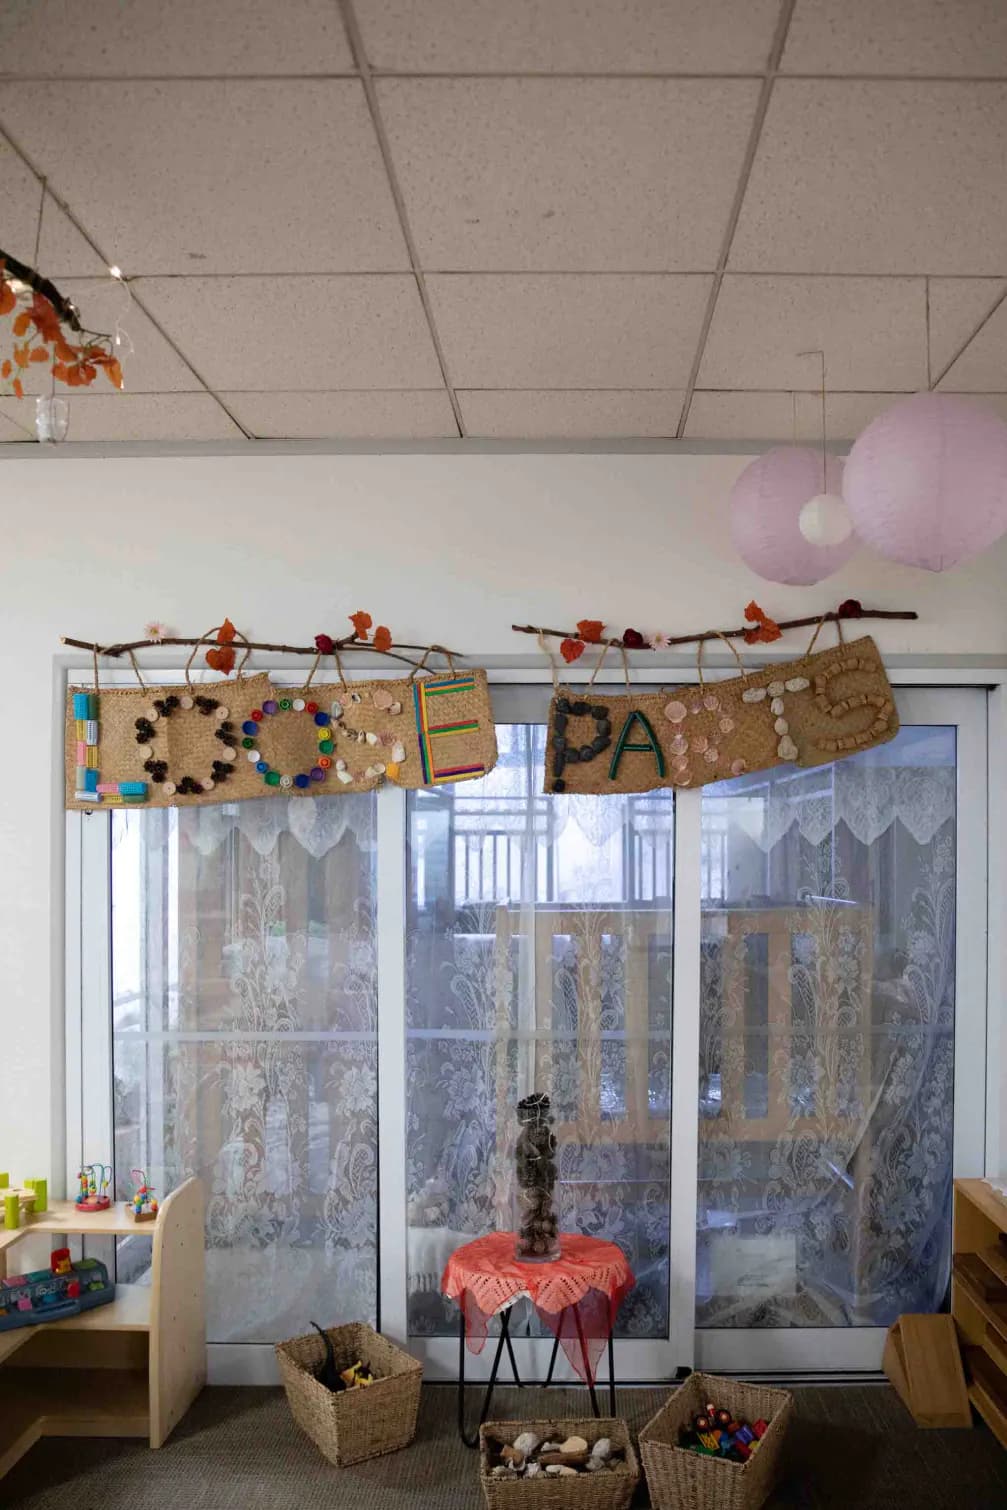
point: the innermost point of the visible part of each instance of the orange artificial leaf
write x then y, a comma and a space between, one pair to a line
18, 389
21, 323
361, 623
39, 354
571, 650
382, 638
220, 660
114, 373
767, 630
8, 298
21, 355
44, 317
59, 370
6, 369
63, 349
590, 630
226, 633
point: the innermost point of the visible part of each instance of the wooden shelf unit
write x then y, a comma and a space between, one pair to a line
980, 1222
129, 1369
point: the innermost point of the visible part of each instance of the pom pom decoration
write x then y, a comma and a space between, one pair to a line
926, 482
765, 510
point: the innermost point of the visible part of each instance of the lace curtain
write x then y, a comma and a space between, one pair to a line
538, 958
827, 1047
245, 1048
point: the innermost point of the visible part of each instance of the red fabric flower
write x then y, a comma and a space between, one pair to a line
633, 639
850, 608
324, 644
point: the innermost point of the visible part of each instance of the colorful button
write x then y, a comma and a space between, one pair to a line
248, 727
185, 701
262, 766
311, 707
301, 780
285, 704
246, 744
272, 778
286, 781
253, 756
271, 706
298, 704
326, 746
257, 715
321, 719
317, 773
325, 762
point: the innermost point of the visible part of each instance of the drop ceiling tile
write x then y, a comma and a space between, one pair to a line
572, 36
911, 37
982, 366
152, 366
558, 174
362, 415
995, 401
62, 248
573, 331
17, 421
145, 416
595, 414
871, 177
336, 332
137, 38
872, 330
203, 176
958, 307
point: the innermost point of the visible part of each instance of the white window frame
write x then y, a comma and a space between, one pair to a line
85, 934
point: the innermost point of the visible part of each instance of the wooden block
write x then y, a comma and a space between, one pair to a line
973, 1268
936, 1380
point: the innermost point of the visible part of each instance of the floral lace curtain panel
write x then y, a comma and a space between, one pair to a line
827, 1040
245, 1048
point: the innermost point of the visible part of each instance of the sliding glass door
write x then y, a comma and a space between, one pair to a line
759, 1010
842, 998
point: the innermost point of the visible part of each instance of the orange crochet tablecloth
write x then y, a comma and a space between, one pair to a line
577, 1295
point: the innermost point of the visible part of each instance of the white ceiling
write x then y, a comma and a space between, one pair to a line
430, 218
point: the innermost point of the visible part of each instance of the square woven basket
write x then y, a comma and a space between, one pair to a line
683, 1480
359, 1423
611, 1490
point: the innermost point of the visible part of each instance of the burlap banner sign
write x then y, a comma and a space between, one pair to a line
161, 746
806, 712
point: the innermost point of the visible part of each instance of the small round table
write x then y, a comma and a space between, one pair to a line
577, 1295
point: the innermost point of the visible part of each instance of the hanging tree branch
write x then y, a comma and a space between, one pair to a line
851, 609
63, 306
347, 642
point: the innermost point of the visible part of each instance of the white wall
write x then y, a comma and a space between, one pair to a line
448, 547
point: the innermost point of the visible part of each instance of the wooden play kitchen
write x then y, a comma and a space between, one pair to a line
130, 1368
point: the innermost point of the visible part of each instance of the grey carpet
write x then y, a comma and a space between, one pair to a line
851, 1448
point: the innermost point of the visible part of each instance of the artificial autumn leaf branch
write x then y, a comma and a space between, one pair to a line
39, 328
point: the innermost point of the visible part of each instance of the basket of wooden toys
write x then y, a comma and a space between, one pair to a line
715, 1445
353, 1392
550, 1465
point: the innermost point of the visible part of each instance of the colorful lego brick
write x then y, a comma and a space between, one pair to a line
81, 778
135, 789
91, 734
85, 705
108, 788
760, 1428
91, 781
80, 730
81, 752
92, 757
91, 798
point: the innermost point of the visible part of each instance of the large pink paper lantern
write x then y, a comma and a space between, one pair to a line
766, 504
926, 482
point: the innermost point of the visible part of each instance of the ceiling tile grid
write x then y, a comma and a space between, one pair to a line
418, 219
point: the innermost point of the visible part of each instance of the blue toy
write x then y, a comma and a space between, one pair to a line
64, 1289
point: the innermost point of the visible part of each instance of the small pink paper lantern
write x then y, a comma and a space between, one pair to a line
766, 504
926, 482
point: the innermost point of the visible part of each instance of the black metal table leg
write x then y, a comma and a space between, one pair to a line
587, 1361
611, 1374
502, 1341
555, 1350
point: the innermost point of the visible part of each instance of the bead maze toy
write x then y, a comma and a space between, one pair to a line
94, 1182
143, 1205
64, 1289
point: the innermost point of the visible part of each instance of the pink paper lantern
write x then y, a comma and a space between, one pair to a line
766, 504
926, 482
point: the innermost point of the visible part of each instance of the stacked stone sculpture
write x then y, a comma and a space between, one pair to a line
538, 1240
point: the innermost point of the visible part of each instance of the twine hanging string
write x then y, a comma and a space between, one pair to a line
825, 448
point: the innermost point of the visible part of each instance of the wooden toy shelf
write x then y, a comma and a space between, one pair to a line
980, 1227
128, 1369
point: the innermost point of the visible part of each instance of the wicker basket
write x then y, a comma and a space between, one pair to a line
611, 1490
360, 1423
683, 1480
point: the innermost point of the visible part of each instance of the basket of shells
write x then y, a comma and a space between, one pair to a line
549, 1465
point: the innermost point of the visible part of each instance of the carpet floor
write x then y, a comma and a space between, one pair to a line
851, 1448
